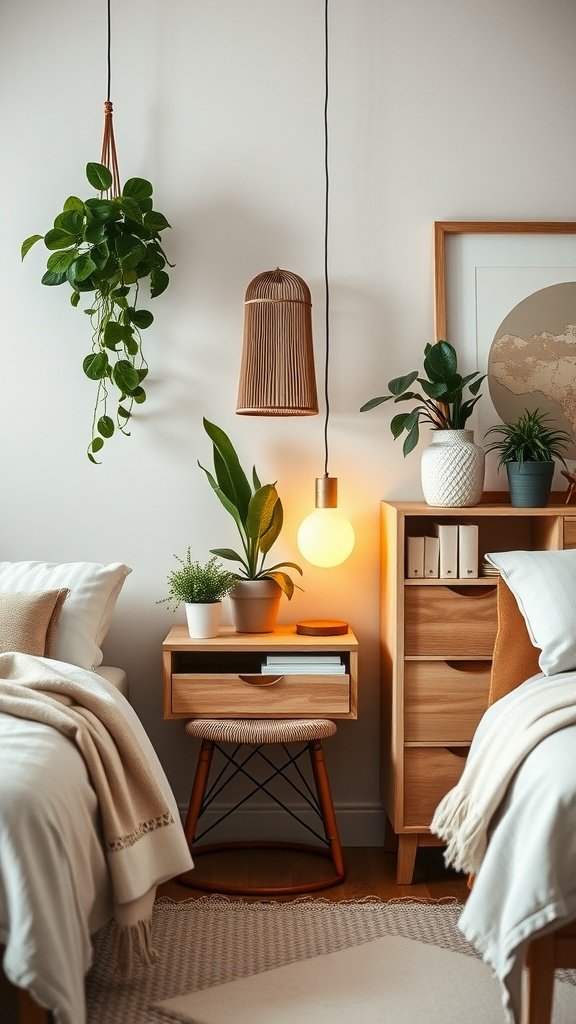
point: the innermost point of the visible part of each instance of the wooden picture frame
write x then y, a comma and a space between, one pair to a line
483, 270
444, 228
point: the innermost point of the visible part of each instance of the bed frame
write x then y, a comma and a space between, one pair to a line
516, 659
17, 1004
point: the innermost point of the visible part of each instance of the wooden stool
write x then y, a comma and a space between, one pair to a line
257, 733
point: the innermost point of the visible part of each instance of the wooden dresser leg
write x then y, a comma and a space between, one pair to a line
539, 993
406, 859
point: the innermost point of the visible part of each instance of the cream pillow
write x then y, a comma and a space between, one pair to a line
28, 621
87, 612
544, 585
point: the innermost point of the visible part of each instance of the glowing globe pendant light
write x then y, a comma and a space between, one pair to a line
326, 538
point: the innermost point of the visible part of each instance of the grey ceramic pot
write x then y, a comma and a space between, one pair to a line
529, 483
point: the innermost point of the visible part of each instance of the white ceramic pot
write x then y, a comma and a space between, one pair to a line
203, 619
255, 605
452, 469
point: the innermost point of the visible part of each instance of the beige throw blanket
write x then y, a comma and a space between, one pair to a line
143, 842
504, 739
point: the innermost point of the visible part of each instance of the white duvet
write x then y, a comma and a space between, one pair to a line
526, 884
54, 886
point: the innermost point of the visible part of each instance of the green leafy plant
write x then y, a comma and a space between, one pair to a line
256, 509
105, 247
529, 439
195, 583
442, 405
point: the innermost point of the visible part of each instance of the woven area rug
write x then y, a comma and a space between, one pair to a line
213, 940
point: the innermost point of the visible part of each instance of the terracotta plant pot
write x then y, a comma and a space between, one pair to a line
255, 605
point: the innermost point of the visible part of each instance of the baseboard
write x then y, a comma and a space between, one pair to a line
358, 824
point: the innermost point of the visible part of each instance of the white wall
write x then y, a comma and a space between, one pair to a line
439, 109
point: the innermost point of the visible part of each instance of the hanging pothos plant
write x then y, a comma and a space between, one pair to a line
105, 247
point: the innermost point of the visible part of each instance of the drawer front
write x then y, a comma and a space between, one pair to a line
444, 701
450, 621
253, 696
429, 772
570, 532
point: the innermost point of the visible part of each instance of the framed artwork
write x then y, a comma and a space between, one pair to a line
505, 297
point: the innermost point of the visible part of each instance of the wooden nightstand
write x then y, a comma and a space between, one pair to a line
219, 684
221, 677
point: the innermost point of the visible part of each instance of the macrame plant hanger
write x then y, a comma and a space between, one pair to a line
109, 157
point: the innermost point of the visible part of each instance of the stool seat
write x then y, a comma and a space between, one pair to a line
260, 730
253, 735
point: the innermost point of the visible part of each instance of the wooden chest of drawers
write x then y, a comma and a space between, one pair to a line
437, 641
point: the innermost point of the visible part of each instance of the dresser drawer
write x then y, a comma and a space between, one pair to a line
444, 701
450, 621
228, 695
570, 532
429, 772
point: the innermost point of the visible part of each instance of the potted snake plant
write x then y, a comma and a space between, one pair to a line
528, 448
257, 511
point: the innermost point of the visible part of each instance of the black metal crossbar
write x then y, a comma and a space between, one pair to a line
233, 767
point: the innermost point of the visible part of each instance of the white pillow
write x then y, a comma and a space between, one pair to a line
86, 613
544, 585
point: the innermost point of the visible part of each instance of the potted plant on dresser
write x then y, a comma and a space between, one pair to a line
201, 589
528, 448
257, 511
452, 467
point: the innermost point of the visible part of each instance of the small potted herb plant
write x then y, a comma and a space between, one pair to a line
257, 511
528, 448
201, 589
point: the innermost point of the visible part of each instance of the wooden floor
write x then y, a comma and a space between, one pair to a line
370, 872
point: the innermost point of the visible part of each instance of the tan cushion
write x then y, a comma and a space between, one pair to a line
515, 657
87, 614
29, 621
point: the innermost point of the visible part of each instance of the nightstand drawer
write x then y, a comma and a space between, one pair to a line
450, 621
228, 695
443, 700
429, 772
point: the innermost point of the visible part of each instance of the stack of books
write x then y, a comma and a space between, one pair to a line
303, 664
489, 570
452, 553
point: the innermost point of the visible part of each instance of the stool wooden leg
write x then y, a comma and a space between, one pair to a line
198, 789
320, 771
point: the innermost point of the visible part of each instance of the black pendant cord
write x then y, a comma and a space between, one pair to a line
108, 55
326, 284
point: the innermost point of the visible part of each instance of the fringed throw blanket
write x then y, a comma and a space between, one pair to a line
144, 844
526, 716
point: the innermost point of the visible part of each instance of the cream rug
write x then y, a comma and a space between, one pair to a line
386, 981
214, 940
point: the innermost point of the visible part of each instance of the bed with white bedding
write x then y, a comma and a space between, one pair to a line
511, 820
59, 880
526, 883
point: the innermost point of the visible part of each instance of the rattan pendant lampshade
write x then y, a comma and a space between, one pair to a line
277, 376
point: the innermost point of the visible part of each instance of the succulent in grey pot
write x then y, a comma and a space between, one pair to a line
528, 448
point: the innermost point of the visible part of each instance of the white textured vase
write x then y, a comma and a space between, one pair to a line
452, 469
